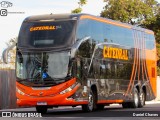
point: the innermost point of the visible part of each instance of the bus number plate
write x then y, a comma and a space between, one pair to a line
41, 103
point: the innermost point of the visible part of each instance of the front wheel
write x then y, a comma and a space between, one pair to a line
125, 105
91, 103
100, 107
41, 109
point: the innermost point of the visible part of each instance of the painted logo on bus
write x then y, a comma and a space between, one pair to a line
116, 53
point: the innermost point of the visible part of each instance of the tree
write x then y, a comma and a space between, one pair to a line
79, 9
154, 24
129, 11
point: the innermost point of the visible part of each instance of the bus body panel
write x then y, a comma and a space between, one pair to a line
51, 96
114, 75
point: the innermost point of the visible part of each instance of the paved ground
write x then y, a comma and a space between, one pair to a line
113, 112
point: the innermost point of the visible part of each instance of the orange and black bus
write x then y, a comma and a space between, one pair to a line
80, 59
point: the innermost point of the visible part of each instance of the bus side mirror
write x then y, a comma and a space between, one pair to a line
19, 57
5, 56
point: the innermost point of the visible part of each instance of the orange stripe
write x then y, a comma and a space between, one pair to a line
105, 21
144, 62
133, 69
143, 57
139, 50
136, 43
149, 32
109, 101
139, 54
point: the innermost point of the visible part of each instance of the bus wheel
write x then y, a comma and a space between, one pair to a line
100, 107
125, 105
41, 109
91, 103
141, 99
135, 102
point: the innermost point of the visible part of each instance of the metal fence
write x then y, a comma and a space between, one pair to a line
7, 89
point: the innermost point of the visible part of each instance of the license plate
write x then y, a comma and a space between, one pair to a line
41, 103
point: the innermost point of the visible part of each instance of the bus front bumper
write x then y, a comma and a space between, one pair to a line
49, 101
65, 99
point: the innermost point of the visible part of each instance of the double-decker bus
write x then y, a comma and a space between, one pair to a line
80, 59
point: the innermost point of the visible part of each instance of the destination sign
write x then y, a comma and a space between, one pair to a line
42, 28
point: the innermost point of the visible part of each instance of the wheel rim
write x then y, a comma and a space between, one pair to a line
142, 98
90, 104
136, 99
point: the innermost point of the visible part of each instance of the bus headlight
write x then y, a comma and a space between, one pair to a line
19, 91
70, 88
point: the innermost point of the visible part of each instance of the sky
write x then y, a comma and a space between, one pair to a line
10, 24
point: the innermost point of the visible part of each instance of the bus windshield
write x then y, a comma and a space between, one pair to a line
42, 67
46, 34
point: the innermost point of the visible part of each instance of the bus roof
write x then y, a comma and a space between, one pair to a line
48, 17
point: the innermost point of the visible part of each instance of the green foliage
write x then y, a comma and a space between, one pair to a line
129, 11
158, 71
79, 9
82, 2
158, 54
153, 24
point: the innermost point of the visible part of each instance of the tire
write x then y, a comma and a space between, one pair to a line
91, 103
141, 99
125, 105
100, 107
41, 109
135, 102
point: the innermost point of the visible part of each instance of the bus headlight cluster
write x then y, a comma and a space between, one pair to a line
69, 88
19, 91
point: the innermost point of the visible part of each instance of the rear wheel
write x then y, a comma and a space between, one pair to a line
41, 109
91, 103
141, 99
135, 102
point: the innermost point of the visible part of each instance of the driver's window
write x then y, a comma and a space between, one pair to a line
84, 49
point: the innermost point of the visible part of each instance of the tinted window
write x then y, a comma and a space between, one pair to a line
83, 29
106, 33
46, 34
103, 32
121, 36
96, 30
85, 49
150, 41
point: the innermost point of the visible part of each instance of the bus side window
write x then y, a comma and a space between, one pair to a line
85, 49
83, 29
150, 42
83, 58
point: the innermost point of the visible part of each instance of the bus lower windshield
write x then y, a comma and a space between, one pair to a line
42, 67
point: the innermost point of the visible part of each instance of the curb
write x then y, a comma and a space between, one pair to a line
153, 102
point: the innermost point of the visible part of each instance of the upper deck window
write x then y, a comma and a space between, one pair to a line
46, 34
